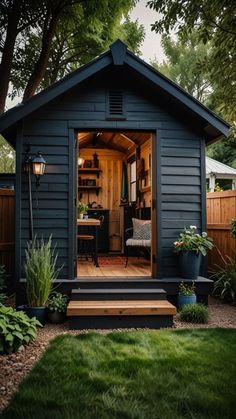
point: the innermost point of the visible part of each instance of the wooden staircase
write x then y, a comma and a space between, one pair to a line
109, 308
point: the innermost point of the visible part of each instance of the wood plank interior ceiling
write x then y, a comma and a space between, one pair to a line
120, 141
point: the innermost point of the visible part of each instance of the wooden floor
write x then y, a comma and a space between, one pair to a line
136, 267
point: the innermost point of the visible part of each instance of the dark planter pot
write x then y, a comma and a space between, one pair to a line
55, 317
38, 312
190, 264
186, 299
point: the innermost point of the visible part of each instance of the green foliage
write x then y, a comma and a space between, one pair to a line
233, 228
185, 289
225, 279
194, 313
16, 329
7, 157
224, 150
142, 374
40, 269
191, 240
185, 64
57, 302
82, 208
2, 284
83, 30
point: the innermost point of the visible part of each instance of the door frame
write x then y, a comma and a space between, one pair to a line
156, 221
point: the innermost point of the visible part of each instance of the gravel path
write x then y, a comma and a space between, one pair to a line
14, 367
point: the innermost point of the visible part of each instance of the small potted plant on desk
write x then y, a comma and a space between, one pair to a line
82, 209
57, 305
191, 246
186, 294
40, 270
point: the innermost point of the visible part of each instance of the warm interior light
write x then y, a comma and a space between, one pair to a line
38, 165
80, 161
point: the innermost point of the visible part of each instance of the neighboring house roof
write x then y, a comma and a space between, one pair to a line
118, 55
220, 170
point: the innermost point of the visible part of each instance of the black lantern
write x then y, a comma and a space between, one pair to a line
38, 165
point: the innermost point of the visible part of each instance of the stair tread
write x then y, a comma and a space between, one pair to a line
118, 290
120, 307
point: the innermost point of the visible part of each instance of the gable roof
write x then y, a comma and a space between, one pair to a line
118, 55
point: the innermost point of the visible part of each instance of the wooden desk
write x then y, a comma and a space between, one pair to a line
95, 223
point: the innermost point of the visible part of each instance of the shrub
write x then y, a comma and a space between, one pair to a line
194, 313
16, 329
40, 269
57, 302
225, 280
2, 284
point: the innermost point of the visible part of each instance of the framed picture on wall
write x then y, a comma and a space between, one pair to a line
88, 163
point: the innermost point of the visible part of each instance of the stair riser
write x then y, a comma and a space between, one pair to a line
145, 284
117, 296
120, 322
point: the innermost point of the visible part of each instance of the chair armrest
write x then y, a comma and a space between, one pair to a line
128, 233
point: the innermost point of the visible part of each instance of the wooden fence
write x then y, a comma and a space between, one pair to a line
7, 231
221, 209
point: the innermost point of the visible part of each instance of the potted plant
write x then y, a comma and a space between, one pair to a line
186, 294
57, 304
40, 270
82, 209
191, 246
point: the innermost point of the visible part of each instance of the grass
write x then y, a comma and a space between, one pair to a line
138, 375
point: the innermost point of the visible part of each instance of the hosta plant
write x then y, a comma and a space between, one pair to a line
16, 329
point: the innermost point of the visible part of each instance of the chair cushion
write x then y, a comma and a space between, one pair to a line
141, 229
138, 243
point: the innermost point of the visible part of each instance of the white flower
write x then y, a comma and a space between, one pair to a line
187, 231
193, 227
204, 234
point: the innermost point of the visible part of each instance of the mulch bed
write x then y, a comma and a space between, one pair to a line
14, 367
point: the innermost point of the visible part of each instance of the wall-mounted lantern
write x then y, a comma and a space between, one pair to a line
33, 164
38, 165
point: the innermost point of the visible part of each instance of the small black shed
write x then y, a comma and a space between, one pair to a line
116, 92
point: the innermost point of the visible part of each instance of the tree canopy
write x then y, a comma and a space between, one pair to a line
214, 20
42, 40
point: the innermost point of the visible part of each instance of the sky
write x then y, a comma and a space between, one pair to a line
151, 47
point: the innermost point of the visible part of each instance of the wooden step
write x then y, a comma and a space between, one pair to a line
118, 294
121, 308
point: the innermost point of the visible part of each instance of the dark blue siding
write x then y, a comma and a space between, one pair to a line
179, 158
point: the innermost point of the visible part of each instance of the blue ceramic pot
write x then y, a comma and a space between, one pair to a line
190, 264
38, 312
186, 299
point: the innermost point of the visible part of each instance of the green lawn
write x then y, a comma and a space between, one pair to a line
163, 374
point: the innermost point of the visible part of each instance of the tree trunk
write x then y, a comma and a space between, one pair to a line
8, 51
41, 65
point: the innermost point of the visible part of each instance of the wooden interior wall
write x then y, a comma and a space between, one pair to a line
110, 162
7, 231
145, 153
221, 209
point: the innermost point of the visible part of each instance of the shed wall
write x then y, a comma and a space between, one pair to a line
179, 157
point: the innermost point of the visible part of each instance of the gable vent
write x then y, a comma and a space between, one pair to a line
115, 108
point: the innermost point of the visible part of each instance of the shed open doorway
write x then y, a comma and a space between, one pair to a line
114, 182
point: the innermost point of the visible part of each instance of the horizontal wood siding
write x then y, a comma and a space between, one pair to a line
85, 108
181, 190
50, 201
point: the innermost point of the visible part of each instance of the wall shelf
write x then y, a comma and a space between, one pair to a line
89, 170
89, 188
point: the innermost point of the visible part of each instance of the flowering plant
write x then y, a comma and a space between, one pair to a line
191, 240
185, 289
